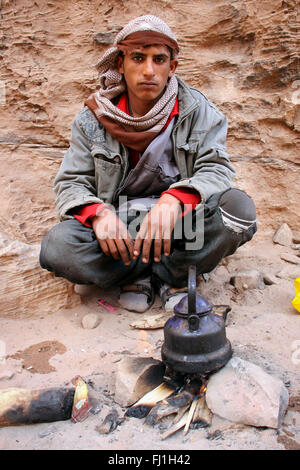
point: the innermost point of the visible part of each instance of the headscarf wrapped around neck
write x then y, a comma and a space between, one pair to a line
135, 132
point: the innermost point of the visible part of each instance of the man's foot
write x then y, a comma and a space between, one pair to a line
170, 296
137, 297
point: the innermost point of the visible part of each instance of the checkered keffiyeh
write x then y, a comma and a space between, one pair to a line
112, 83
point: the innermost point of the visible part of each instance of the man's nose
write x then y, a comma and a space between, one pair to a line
148, 67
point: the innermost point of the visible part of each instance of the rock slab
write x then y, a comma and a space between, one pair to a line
135, 377
26, 289
244, 393
90, 321
283, 236
250, 279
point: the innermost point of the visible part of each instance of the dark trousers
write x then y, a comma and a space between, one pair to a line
71, 250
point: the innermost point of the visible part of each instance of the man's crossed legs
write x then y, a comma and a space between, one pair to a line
225, 222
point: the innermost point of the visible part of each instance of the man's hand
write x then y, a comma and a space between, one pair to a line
113, 236
157, 225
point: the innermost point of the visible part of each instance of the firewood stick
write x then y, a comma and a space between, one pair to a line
155, 395
142, 407
176, 427
180, 413
190, 416
202, 415
159, 411
169, 406
200, 405
21, 406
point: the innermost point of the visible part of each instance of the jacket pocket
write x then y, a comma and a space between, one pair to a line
185, 158
167, 174
108, 173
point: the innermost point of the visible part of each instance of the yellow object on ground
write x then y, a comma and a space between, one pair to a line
81, 405
296, 300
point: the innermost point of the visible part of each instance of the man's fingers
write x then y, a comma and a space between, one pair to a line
123, 252
167, 244
148, 233
151, 229
140, 238
114, 239
158, 242
113, 248
104, 247
123, 234
116, 248
129, 244
146, 249
157, 249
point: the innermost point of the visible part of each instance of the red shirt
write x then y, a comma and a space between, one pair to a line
185, 195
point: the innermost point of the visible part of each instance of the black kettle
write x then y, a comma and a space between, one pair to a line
194, 338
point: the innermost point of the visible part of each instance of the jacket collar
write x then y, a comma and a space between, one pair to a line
187, 102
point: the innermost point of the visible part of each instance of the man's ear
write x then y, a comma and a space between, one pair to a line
173, 67
120, 66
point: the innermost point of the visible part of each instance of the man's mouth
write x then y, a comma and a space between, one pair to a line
148, 84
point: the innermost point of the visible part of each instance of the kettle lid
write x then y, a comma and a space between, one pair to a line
202, 306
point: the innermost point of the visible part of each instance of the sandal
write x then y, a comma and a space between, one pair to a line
170, 296
137, 297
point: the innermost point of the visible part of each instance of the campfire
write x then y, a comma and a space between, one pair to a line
178, 402
195, 346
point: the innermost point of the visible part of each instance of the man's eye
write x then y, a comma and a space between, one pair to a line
137, 58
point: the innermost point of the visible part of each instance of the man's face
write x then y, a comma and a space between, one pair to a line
146, 71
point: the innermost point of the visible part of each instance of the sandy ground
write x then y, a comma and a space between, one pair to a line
49, 350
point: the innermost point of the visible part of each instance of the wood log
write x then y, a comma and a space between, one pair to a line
202, 416
180, 413
190, 417
148, 401
169, 406
181, 423
21, 406
151, 322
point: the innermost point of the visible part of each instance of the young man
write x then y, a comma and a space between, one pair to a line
145, 188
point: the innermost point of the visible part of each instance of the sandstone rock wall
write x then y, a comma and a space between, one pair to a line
242, 54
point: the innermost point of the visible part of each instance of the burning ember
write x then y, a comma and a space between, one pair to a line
181, 395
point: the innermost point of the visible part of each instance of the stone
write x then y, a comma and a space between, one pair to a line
6, 373
244, 280
270, 279
296, 237
104, 38
109, 423
244, 393
135, 377
293, 259
283, 236
290, 271
90, 321
26, 289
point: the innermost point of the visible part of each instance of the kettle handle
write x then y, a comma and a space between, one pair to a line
192, 284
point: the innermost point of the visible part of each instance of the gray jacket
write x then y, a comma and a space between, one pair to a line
96, 164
